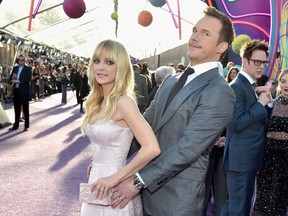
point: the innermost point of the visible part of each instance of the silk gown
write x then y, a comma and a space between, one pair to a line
110, 145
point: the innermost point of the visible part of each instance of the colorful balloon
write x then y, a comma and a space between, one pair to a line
74, 8
114, 16
145, 18
157, 3
238, 42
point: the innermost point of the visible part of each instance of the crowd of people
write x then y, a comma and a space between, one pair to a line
168, 142
32, 80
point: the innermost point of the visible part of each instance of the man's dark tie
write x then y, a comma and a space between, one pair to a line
179, 85
254, 86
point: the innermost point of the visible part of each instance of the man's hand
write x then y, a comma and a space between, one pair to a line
265, 95
220, 142
124, 192
15, 81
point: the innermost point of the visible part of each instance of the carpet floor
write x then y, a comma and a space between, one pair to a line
41, 169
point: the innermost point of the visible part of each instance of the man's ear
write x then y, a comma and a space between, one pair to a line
222, 47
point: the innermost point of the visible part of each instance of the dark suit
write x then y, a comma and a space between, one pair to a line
245, 147
21, 94
77, 85
141, 90
215, 182
186, 132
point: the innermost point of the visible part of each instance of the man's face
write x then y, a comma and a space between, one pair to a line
203, 44
251, 66
21, 61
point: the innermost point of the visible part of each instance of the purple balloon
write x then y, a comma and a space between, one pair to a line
157, 3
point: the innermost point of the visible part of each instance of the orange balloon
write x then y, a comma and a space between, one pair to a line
145, 18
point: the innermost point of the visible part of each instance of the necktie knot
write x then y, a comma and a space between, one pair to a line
254, 85
188, 71
179, 85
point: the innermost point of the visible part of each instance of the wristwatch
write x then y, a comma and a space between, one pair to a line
138, 184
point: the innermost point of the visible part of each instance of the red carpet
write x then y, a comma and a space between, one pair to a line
41, 169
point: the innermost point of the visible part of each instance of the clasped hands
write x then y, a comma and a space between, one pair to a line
15, 81
265, 96
120, 194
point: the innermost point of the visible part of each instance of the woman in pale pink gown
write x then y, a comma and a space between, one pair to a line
111, 121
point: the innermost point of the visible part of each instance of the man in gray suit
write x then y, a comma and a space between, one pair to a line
187, 128
141, 88
245, 134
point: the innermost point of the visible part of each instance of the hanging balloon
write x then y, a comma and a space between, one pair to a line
157, 3
238, 42
114, 16
145, 18
74, 8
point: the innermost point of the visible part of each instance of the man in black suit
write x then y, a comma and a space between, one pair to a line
20, 77
77, 83
141, 88
246, 133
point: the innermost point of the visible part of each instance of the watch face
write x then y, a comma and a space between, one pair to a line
138, 184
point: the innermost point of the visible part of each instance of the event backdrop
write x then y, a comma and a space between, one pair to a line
265, 20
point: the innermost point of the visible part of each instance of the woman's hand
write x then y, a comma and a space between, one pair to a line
103, 186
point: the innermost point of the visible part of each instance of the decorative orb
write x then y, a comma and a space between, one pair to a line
238, 42
74, 8
114, 16
145, 18
157, 3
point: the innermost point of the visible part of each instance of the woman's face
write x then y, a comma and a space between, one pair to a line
233, 74
284, 85
104, 71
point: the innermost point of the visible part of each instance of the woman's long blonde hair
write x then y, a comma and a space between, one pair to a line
124, 82
282, 73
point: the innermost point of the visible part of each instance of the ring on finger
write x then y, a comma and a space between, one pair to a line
102, 188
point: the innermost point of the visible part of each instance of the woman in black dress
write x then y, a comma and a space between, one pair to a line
272, 181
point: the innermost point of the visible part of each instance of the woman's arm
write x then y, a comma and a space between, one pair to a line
128, 114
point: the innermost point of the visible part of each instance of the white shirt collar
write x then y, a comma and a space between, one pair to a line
248, 77
201, 68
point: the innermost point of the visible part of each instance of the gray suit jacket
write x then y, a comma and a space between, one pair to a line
246, 133
186, 132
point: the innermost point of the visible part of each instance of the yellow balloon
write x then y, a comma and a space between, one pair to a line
238, 42
114, 16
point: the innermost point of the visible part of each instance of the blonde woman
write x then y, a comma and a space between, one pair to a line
272, 190
111, 121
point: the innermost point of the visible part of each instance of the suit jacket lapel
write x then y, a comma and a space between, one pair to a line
183, 94
250, 91
247, 85
165, 91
